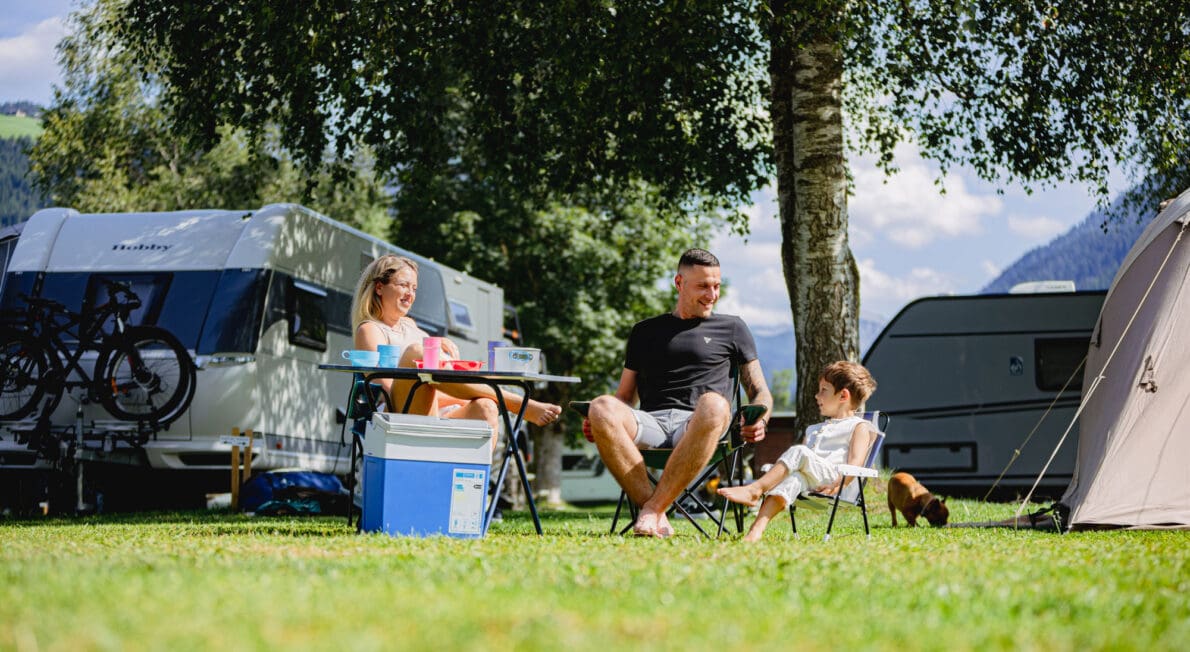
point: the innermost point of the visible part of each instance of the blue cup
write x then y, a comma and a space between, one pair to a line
362, 358
390, 355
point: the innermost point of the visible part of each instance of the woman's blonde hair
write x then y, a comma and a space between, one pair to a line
365, 305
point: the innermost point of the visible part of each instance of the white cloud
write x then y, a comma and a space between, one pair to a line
752, 269
909, 209
990, 269
761, 317
1037, 229
884, 293
28, 62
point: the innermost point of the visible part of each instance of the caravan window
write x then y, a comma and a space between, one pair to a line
307, 315
175, 301
1059, 360
460, 316
233, 320
150, 289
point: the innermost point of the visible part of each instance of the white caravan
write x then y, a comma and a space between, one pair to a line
260, 298
965, 379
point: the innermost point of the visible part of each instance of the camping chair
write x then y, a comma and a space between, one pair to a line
727, 459
853, 493
363, 400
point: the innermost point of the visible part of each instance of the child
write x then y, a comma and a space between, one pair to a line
844, 438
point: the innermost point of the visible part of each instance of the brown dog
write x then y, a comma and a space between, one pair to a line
906, 494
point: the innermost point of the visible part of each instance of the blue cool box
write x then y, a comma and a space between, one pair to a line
425, 476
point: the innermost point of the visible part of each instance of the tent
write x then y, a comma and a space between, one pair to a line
1133, 457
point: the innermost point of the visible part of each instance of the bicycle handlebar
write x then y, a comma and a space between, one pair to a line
114, 288
121, 300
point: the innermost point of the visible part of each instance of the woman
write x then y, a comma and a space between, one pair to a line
380, 315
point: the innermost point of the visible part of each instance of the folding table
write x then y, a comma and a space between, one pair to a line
493, 379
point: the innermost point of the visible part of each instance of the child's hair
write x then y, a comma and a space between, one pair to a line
851, 376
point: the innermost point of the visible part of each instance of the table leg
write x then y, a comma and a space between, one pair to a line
513, 449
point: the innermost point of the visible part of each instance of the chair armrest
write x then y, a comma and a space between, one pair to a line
752, 413
857, 471
582, 407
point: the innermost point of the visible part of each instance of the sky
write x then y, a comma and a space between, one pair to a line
909, 239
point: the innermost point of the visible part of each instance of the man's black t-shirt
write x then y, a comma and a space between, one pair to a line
679, 360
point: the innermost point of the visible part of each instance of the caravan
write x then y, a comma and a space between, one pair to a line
258, 298
967, 379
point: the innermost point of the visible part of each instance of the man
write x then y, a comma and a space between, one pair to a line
679, 364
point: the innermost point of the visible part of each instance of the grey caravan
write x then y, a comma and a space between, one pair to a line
259, 298
966, 379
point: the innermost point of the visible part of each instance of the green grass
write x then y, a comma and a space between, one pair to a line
224, 581
12, 126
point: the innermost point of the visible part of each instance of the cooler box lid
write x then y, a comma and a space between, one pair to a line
428, 439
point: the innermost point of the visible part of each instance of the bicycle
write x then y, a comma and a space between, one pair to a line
141, 373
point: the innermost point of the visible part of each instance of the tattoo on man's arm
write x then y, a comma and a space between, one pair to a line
755, 386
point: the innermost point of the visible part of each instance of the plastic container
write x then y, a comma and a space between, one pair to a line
426, 476
361, 357
390, 355
431, 349
492, 346
513, 358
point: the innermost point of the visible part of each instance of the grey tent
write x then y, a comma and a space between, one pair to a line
1133, 463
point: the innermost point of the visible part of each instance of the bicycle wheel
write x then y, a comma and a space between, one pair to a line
144, 375
27, 374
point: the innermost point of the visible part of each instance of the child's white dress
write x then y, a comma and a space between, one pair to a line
814, 465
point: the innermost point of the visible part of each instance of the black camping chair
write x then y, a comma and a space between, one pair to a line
363, 400
727, 460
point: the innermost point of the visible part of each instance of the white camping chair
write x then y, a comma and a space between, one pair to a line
853, 493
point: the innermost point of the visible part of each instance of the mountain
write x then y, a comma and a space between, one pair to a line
776, 348
1088, 254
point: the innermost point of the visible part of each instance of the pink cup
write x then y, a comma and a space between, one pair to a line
431, 348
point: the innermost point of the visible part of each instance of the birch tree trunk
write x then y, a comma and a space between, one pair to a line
806, 74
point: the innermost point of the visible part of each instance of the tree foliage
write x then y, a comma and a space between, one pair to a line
537, 98
535, 101
782, 389
1028, 92
18, 198
580, 267
109, 146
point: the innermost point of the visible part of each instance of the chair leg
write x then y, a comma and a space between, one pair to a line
738, 480
863, 509
831, 523
793, 518
632, 511
357, 455
619, 507
730, 468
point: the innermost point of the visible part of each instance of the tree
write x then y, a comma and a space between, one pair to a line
782, 389
108, 147
545, 99
579, 277
18, 199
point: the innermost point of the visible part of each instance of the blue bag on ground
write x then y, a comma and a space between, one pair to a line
294, 492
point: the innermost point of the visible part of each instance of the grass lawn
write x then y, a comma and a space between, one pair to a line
12, 126
224, 581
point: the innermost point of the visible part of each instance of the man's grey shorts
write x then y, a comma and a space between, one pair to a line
660, 428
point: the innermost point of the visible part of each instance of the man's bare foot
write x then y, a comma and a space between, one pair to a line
664, 529
542, 414
753, 536
651, 524
748, 494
